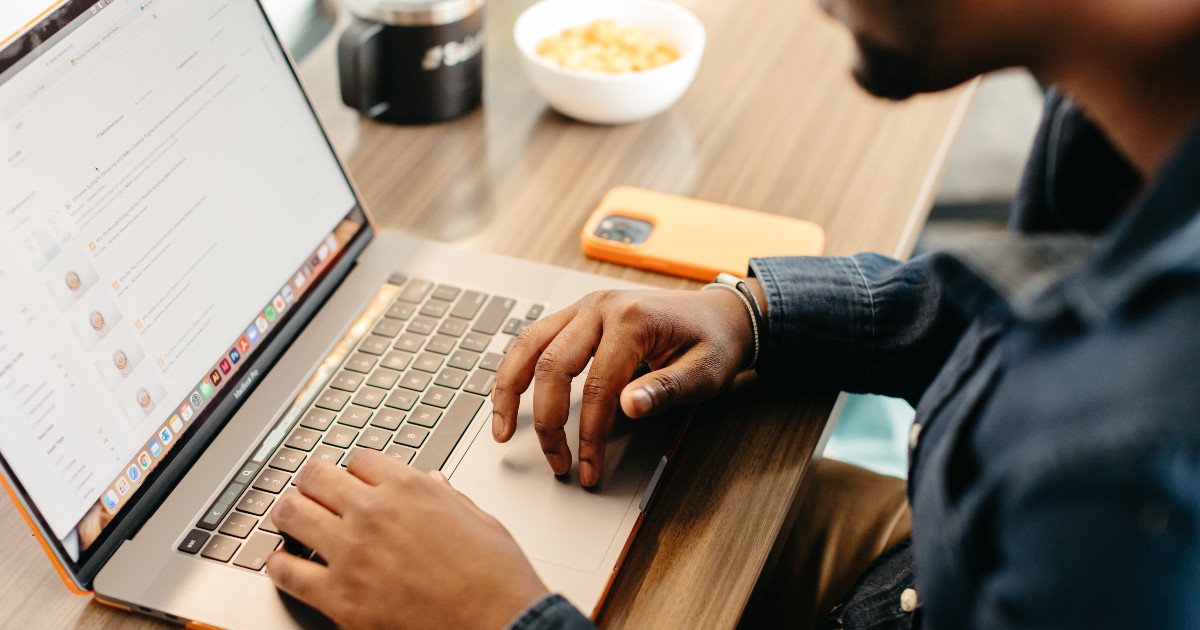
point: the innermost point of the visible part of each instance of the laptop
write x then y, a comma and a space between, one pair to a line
196, 305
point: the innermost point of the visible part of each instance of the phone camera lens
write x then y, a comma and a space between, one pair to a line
606, 235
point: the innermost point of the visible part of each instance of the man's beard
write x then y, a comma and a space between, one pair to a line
891, 74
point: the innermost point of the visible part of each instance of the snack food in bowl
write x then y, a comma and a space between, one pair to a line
610, 61
604, 47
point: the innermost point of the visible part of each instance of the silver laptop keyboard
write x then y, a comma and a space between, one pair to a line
409, 387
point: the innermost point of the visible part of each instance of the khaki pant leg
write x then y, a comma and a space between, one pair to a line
847, 517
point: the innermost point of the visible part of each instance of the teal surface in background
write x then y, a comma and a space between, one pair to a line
873, 433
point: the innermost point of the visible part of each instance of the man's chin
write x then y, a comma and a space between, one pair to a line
891, 75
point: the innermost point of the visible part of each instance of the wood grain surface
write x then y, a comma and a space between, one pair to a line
772, 122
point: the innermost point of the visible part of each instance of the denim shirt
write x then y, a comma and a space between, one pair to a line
1055, 463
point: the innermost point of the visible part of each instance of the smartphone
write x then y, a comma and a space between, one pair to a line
688, 237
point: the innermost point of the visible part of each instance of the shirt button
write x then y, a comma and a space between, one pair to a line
914, 435
908, 600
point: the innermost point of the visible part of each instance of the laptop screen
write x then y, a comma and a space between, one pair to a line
167, 200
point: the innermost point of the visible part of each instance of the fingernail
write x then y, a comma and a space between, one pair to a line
642, 402
587, 474
497, 424
437, 474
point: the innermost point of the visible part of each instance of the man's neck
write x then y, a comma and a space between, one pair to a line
1146, 118
1136, 80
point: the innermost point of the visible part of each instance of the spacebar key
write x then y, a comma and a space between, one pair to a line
493, 315
448, 432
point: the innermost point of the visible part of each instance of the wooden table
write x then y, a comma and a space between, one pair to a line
773, 122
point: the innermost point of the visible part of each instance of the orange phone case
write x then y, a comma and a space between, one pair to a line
697, 239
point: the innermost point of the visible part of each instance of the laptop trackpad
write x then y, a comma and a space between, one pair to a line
557, 520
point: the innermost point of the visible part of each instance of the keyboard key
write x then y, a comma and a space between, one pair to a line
450, 430
317, 419
332, 399
327, 454
513, 326
497, 309
421, 325
255, 503
416, 381
491, 361
232, 492
446, 292
425, 416
535, 312
213, 517
256, 551
370, 397
303, 439
475, 342
383, 378
415, 291
453, 327
435, 309
374, 439
360, 362
288, 460
468, 305
409, 342
239, 525
509, 345
400, 311
388, 419
341, 437
463, 360
397, 279
374, 344
220, 548
273, 481
438, 397
401, 400
388, 328
440, 344
396, 360
194, 541
481, 382
346, 381
402, 453
355, 416
451, 378
428, 362
411, 435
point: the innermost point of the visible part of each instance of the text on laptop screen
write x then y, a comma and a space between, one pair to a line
166, 196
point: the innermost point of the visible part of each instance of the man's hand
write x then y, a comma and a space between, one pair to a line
695, 342
403, 550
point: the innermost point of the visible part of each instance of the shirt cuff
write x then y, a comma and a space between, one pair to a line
550, 612
818, 310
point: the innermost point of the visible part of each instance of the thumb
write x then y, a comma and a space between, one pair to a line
692, 378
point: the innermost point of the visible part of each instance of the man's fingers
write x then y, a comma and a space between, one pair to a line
307, 521
303, 579
328, 485
516, 371
561, 361
615, 362
374, 468
692, 378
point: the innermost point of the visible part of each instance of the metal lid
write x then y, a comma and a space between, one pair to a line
414, 12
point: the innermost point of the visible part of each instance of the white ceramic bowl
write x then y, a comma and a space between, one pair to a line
611, 99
